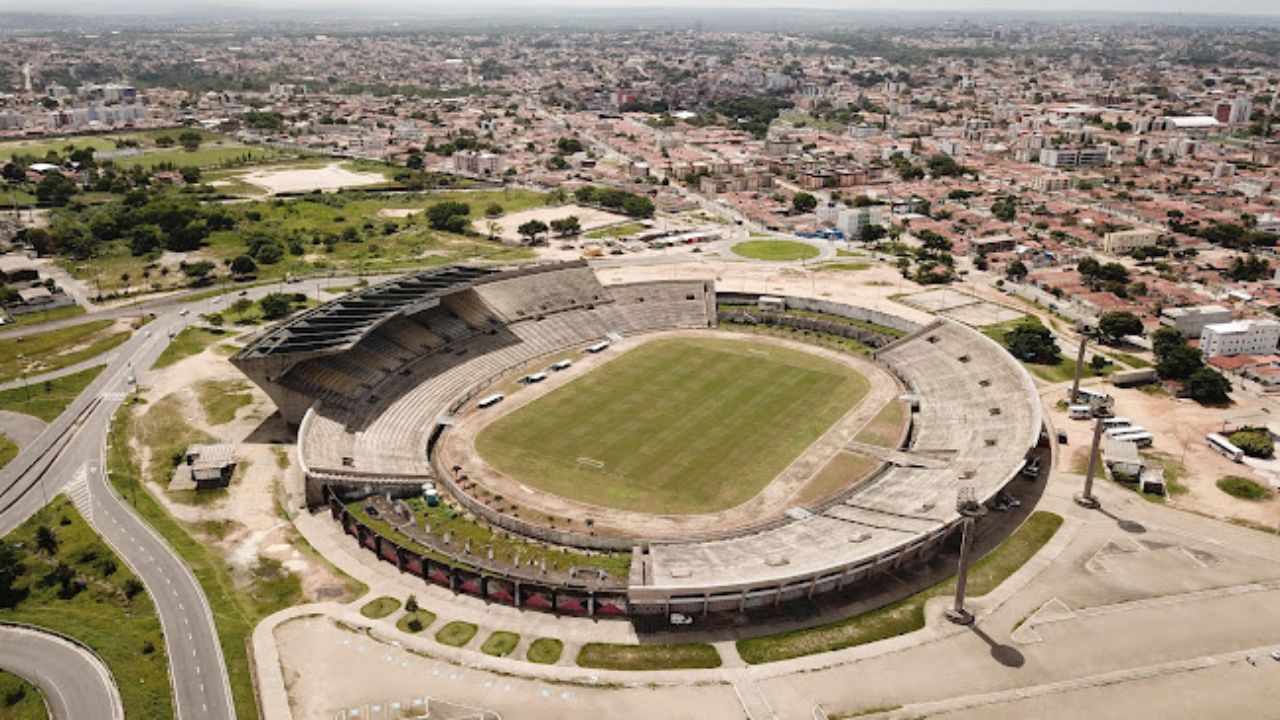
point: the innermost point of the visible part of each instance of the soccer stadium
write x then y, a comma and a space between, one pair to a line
533, 437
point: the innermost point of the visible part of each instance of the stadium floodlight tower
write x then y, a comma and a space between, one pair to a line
970, 510
1086, 498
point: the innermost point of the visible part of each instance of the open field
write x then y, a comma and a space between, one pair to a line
589, 219
56, 349
95, 599
20, 700
329, 177
215, 150
776, 250
48, 399
674, 426
321, 233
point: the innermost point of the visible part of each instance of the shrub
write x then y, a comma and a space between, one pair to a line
1244, 488
1254, 442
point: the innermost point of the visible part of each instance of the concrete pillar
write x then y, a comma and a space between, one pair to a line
1075, 383
1086, 498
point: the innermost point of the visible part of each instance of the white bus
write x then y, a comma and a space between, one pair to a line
1124, 430
598, 347
1225, 446
1116, 422
1141, 438
561, 365
489, 400
1079, 412
533, 378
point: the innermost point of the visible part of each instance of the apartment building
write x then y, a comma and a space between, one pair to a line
1191, 321
1244, 337
1126, 241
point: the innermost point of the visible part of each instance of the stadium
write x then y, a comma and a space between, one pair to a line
533, 437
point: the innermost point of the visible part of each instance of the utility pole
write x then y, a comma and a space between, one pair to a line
1086, 498
970, 510
1075, 384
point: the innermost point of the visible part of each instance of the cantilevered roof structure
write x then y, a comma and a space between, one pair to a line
339, 324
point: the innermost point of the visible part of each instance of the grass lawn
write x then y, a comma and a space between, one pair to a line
604, 440
48, 399
456, 633
101, 604
845, 266
379, 608
8, 451
48, 351
444, 518
885, 429
191, 341
163, 429
20, 700
1063, 370
238, 602
544, 651
222, 399
500, 643
775, 250
907, 614
673, 656
35, 318
415, 622
1244, 488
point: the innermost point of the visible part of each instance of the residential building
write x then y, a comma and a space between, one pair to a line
1243, 337
1126, 241
1190, 321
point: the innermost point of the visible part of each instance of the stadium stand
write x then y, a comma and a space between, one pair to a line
372, 378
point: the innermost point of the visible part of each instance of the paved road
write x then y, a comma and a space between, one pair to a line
68, 456
76, 684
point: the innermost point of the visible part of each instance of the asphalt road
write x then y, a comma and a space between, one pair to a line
75, 683
69, 456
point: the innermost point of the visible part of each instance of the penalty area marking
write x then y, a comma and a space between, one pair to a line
591, 462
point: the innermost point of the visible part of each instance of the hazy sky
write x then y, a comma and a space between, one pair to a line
432, 7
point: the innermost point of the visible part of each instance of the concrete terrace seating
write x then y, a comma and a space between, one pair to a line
390, 435
542, 293
975, 401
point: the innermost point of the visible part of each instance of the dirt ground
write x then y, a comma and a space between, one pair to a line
1179, 427
588, 218
244, 523
330, 177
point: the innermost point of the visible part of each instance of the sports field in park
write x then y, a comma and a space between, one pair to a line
674, 426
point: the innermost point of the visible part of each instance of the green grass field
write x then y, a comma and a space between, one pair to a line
56, 349
102, 604
191, 341
545, 651
20, 700
775, 250
48, 399
675, 426
673, 656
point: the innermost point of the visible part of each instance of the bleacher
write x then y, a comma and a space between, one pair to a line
542, 291
976, 402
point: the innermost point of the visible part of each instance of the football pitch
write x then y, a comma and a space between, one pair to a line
674, 426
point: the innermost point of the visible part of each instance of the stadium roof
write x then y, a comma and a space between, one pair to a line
339, 324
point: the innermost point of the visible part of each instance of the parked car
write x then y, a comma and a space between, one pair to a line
1031, 469
681, 619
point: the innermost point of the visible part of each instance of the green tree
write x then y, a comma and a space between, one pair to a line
1207, 385
1165, 339
55, 189
564, 227
1032, 342
803, 202
46, 540
1179, 362
531, 230
450, 215
190, 140
1016, 271
275, 305
1255, 442
1117, 324
11, 568
243, 265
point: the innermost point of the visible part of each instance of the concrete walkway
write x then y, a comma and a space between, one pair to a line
33, 380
